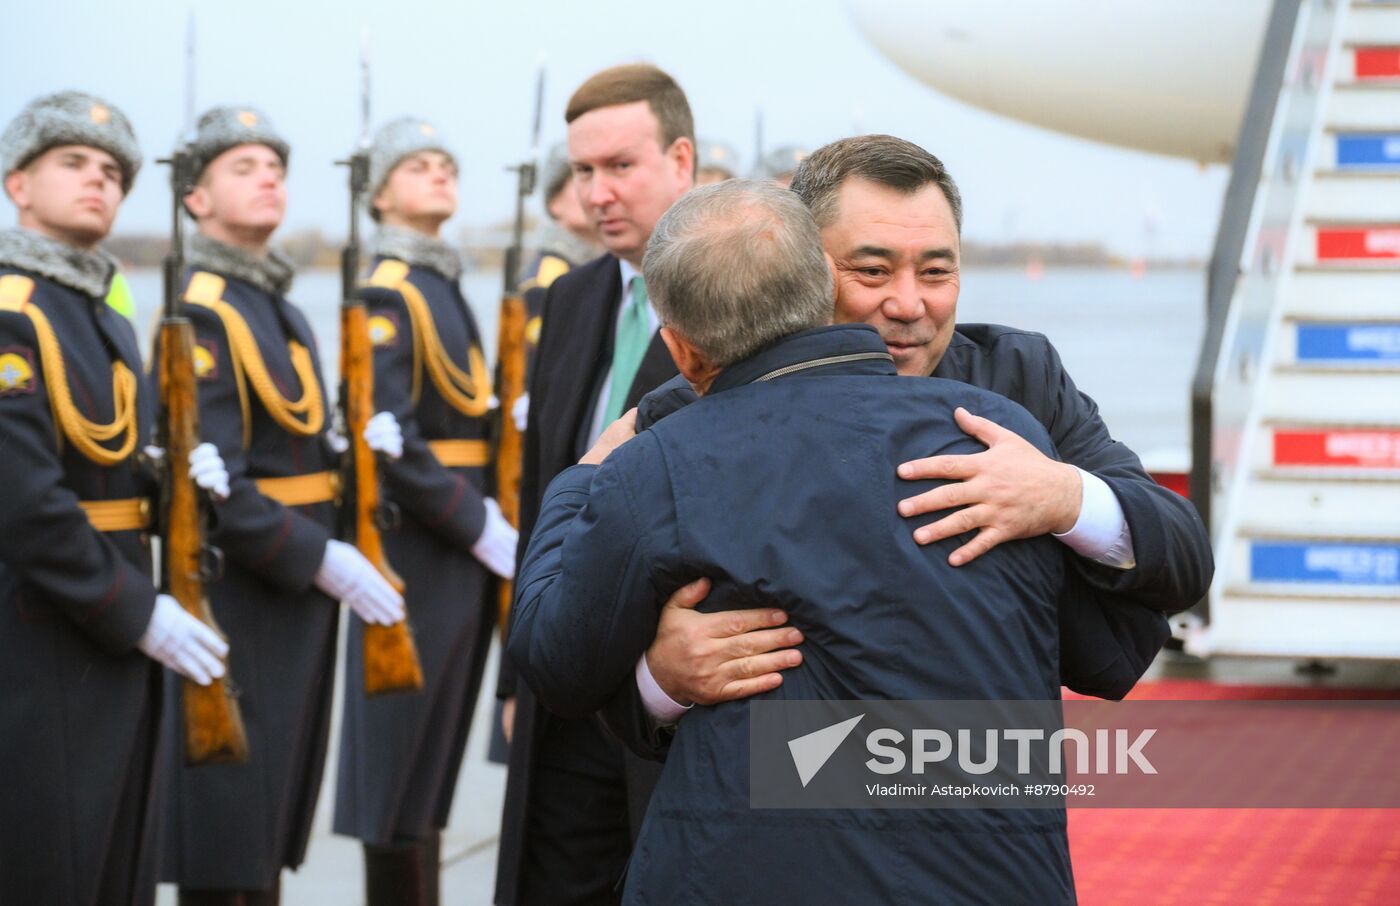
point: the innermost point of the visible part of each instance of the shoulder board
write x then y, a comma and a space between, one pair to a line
204, 288
390, 274
551, 268
15, 290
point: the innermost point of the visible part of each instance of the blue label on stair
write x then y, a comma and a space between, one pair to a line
1365, 152
1331, 342
1329, 562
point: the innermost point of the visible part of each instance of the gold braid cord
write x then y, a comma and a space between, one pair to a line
468, 393
86, 436
304, 417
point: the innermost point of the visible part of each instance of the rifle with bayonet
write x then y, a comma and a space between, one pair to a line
214, 731
510, 353
390, 656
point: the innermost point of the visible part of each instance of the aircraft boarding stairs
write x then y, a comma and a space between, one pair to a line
1297, 407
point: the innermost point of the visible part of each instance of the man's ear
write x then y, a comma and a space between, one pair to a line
198, 203
690, 362
17, 187
380, 202
682, 151
831, 269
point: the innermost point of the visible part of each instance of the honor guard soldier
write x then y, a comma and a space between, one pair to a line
80, 696
781, 163
232, 827
399, 754
717, 163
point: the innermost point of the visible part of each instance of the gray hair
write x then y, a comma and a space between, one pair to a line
882, 159
736, 266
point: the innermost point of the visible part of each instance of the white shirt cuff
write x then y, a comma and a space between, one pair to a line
1101, 534
662, 708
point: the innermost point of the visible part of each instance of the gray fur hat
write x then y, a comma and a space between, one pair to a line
70, 118
555, 172
396, 140
717, 156
228, 127
781, 161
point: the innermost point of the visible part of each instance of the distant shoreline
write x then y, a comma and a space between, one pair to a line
310, 250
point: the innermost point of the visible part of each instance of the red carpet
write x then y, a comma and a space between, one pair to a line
1230, 856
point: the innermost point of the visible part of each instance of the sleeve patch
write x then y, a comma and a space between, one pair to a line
206, 361
384, 329
16, 370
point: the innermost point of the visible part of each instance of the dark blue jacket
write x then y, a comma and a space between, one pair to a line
742, 487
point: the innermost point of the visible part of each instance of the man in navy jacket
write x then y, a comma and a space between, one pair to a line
797, 420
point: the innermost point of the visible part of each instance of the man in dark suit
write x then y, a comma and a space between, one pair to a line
565, 830
890, 216
798, 418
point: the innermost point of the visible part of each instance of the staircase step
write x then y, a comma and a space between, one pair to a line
1369, 61
1319, 292
1356, 241
1352, 196
1364, 105
1360, 560
1334, 504
1332, 449
1327, 475
1265, 621
1372, 24
1349, 151
1337, 341
1308, 394
1296, 593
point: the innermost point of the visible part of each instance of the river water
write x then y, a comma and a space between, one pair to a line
1131, 344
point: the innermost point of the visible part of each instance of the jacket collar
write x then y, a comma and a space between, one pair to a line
417, 250
272, 275
88, 272
836, 349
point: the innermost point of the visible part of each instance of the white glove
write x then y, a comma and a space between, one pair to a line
496, 546
182, 643
520, 412
208, 471
347, 576
383, 434
336, 441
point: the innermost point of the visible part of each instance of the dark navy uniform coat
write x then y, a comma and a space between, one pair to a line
400, 754
741, 487
79, 705
237, 826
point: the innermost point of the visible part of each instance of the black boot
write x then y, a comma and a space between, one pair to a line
269, 897
394, 875
431, 851
210, 897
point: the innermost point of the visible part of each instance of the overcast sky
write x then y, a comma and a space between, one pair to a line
469, 67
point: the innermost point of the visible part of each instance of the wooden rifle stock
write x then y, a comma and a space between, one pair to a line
390, 656
214, 731
510, 356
